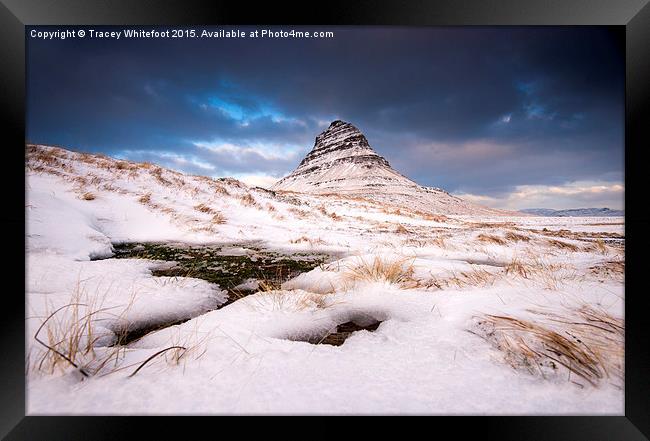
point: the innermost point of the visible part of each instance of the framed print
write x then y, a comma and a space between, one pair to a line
372, 209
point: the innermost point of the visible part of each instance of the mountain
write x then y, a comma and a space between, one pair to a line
574, 212
342, 162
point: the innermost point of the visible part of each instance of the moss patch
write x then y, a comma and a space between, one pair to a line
215, 265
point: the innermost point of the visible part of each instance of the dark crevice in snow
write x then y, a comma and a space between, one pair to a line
340, 334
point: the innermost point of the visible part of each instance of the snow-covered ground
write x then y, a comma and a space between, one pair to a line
432, 281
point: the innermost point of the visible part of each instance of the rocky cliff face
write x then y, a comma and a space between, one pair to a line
343, 162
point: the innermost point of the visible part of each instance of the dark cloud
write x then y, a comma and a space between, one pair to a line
477, 110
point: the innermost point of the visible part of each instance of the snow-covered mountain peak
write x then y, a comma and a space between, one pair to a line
341, 159
340, 141
343, 162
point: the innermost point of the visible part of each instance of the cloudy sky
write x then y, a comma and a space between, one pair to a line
508, 117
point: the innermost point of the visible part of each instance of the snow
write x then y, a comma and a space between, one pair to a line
248, 357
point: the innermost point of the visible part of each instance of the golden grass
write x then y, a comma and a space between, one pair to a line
219, 189
477, 277
611, 269
310, 299
412, 213
397, 271
218, 218
45, 156
585, 342
600, 244
295, 300
204, 209
248, 200
562, 245
331, 215
145, 198
396, 212
541, 272
157, 173
401, 229
518, 267
335, 216
439, 241
94, 179
88, 196
488, 238
577, 235
515, 237
432, 217
68, 336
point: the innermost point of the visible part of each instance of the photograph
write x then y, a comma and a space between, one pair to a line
325, 220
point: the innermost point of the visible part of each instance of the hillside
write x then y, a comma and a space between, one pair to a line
244, 300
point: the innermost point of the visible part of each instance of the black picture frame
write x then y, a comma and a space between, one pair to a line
632, 17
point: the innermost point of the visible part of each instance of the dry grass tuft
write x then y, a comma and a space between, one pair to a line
478, 277
186, 346
412, 213
218, 219
145, 198
248, 200
396, 212
69, 337
439, 241
491, 239
80, 181
432, 217
399, 271
45, 156
157, 173
613, 269
515, 237
585, 342
219, 189
204, 209
295, 300
88, 196
312, 242
562, 245
300, 214
600, 246
311, 299
331, 215
516, 266
400, 229
541, 272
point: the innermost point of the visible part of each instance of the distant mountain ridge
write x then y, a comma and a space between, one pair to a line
343, 162
574, 212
